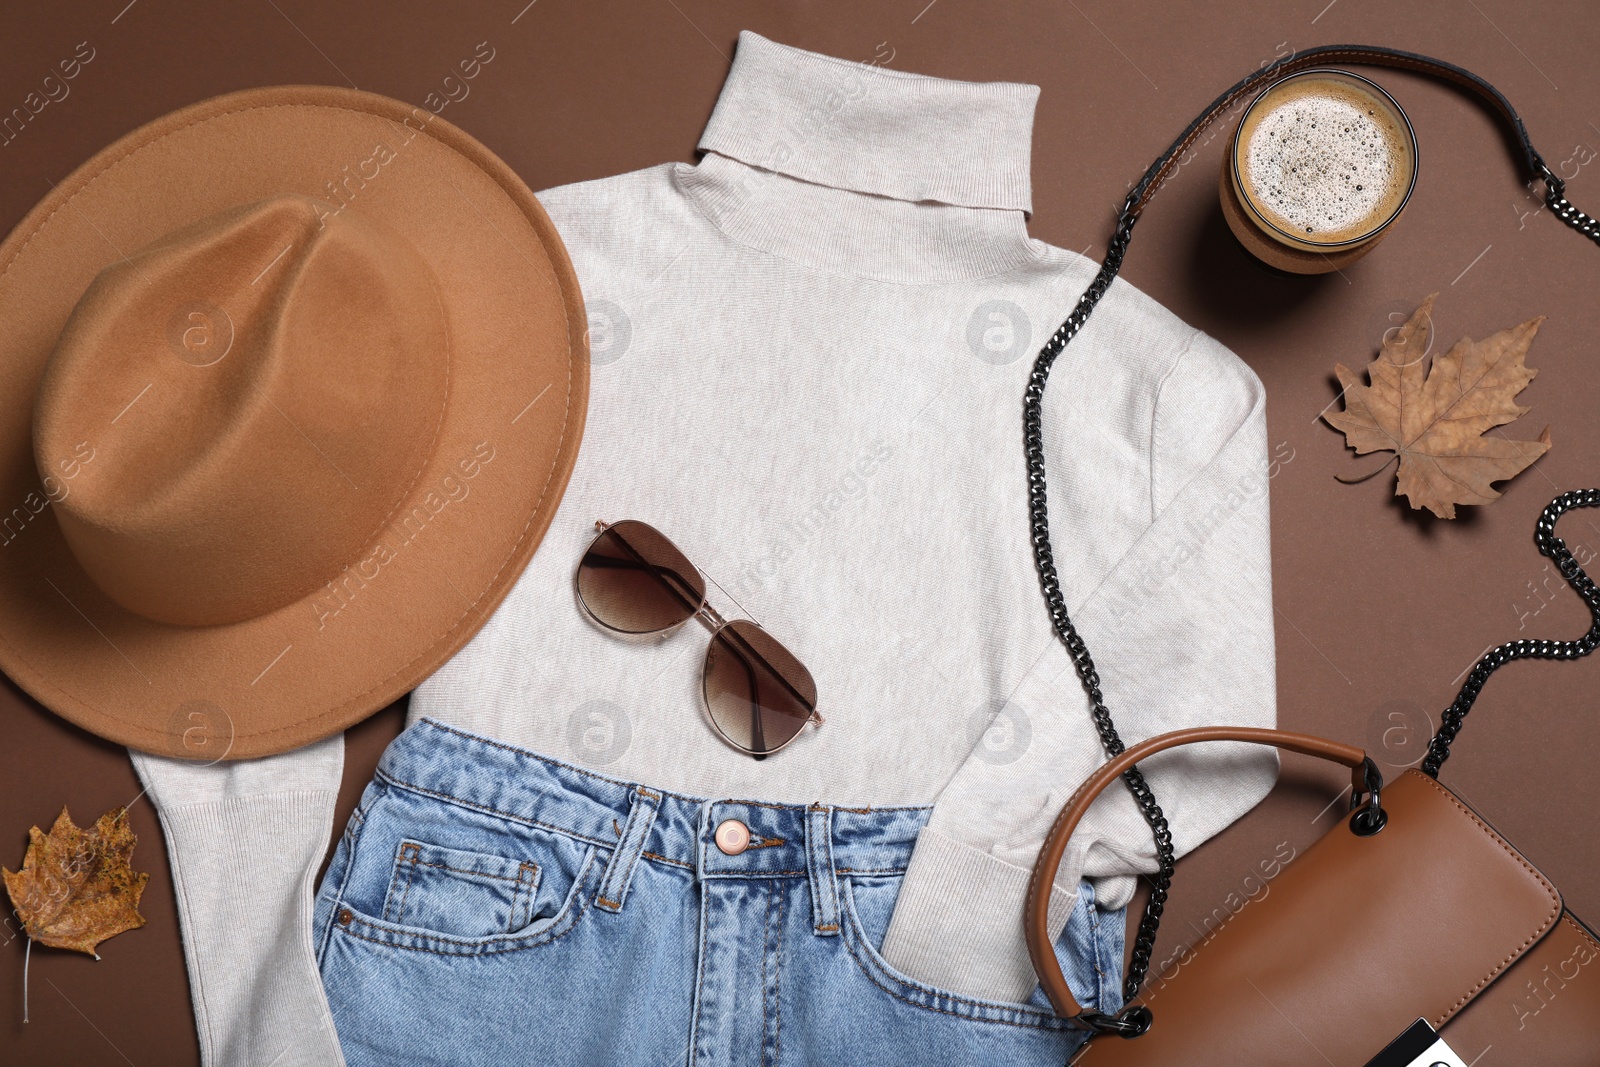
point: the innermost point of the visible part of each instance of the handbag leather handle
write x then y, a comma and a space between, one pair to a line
1365, 779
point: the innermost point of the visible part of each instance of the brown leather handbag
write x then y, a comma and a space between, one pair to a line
1415, 915
1432, 915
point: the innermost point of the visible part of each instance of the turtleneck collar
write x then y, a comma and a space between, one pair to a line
861, 127
796, 139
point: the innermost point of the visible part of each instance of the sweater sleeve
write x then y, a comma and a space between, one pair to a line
245, 840
1181, 631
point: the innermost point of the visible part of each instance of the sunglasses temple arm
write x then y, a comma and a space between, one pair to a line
747, 650
673, 585
758, 733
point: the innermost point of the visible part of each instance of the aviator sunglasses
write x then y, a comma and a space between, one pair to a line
633, 580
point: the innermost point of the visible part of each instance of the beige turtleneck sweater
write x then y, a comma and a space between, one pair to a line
810, 351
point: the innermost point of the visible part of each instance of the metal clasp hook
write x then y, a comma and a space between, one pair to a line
1131, 1021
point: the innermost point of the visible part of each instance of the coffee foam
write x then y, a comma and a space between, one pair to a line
1324, 160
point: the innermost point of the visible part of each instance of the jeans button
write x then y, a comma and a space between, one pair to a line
733, 837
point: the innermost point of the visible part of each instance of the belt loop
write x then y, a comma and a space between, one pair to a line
619, 871
700, 841
819, 866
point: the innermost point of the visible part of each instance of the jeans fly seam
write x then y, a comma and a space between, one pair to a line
777, 982
772, 891
700, 962
811, 874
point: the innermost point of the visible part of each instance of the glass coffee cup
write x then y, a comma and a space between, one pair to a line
1321, 165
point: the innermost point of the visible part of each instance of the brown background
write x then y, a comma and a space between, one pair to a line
1379, 609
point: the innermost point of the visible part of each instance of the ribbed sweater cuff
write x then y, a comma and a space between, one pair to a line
243, 870
957, 923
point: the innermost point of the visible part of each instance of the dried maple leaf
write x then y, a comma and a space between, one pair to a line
1435, 418
76, 888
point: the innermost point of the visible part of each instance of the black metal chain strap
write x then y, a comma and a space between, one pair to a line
1133, 1020
1050, 582
1555, 194
1549, 545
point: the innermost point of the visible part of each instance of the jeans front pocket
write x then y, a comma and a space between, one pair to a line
460, 892
865, 903
424, 872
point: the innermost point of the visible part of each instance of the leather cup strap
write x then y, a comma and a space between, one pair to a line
1359, 54
1036, 926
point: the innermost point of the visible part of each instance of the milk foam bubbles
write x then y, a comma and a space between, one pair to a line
1324, 160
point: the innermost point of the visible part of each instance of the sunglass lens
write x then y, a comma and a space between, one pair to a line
758, 694
634, 580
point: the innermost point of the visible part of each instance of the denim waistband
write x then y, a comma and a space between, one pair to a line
785, 840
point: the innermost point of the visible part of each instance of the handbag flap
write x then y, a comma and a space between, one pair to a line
1350, 944
1545, 1011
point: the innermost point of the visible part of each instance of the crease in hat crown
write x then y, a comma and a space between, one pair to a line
261, 390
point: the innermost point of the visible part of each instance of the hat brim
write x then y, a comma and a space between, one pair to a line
519, 382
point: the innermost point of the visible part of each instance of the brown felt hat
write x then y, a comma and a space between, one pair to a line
291, 383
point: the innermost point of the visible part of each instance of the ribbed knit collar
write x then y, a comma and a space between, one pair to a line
797, 137
862, 127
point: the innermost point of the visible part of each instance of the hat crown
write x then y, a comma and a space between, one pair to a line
260, 390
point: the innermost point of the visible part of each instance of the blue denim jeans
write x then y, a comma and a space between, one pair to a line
488, 905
